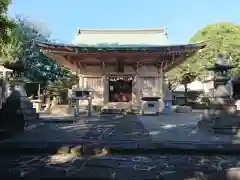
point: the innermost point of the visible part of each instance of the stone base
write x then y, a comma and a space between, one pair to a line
220, 123
120, 108
17, 112
183, 109
112, 111
60, 110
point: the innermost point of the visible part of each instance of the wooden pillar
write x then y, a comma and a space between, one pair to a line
77, 70
138, 84
105, 85
81, 82
161, 78
105, 90
80, 76
160, 81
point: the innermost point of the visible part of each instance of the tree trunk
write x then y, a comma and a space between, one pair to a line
185, 93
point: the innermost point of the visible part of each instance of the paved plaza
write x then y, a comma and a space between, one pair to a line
113, 127
177, 127
128, 167
119, 128
181, 127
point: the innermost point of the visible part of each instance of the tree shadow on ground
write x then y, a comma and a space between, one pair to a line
138, 165
108, 128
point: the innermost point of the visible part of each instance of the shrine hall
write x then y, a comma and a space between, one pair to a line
121, 66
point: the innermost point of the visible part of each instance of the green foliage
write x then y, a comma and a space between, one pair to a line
181, 75
221, 37
21, 48
40, 67
63, 83
6, 26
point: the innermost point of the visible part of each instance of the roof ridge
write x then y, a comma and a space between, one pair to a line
113, 31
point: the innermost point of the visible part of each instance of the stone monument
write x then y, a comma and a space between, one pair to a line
221, 117
18, 111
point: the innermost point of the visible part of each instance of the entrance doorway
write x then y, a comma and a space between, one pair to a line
120, 90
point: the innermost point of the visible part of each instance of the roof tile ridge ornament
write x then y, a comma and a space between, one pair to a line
166, 31
113, 31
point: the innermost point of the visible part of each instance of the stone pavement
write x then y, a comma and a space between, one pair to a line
107, 128
119, 167
176, 127
181, 127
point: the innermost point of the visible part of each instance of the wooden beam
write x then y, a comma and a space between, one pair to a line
111, 54
69, 59
138, 66
103, 67
175, 62
80, 65
134, 66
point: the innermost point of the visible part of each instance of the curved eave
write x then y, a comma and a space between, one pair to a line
54, 47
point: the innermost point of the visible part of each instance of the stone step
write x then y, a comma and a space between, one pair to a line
60, 110
112, 111
224, 130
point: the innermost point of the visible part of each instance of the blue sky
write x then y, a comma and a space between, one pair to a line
183, 18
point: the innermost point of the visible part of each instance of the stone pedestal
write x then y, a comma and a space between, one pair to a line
221, 117
18, 111
167, 102
220, 121
37, 105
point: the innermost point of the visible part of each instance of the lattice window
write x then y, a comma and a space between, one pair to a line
148, 85
95, 83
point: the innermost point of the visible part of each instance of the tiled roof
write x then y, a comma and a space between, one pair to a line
139, 37
120, 31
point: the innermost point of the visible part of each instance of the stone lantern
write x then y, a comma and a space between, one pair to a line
6, 73
221, 117
17, 112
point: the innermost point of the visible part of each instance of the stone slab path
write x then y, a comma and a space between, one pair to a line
175, 127
119, 167
181, 127
107, 128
